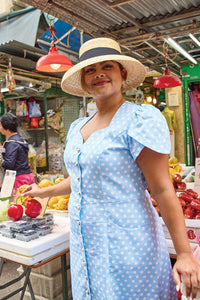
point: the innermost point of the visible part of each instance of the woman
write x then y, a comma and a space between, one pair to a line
118, 250
15, 156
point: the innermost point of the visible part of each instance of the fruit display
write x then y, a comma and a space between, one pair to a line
155, 205
15, 212
174, 166
58, 203
190, 204
19, 199
189, 199
33, 208
45, 183
178, 184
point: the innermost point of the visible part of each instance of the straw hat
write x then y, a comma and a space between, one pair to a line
98, 50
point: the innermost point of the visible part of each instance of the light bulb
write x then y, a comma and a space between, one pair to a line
55, 66
154, 100
149, 99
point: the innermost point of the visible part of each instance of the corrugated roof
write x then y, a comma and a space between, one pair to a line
139, 25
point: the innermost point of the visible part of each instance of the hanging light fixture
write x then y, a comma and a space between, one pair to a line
167, 80
53, 61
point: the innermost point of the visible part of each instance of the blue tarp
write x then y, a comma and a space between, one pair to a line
62, 28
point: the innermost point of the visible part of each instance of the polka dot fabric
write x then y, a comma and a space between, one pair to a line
118, 250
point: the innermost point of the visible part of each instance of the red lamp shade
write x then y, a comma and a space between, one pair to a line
53, 62
167, 80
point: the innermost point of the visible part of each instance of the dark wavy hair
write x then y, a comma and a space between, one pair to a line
9, 121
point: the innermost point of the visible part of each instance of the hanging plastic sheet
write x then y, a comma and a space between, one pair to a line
22, 28
195, 122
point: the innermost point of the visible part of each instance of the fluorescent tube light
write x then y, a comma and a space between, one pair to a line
194, 39
177, 47
3, 90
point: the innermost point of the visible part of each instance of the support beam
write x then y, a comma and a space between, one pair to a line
119, 2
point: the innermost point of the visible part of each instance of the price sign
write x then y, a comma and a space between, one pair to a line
197, 176
8, 183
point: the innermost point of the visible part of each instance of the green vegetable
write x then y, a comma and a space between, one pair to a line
5, 198
3, 214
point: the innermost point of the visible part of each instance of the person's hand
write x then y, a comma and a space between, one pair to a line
187, 266
32, 190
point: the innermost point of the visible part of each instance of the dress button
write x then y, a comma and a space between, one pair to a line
82, 249
78, 222
80, 236
87, 292
76, 164
78, 207
77, 178
79, 193
78, 150
86, 277
84, 263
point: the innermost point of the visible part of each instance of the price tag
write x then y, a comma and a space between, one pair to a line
8, 183
197, 176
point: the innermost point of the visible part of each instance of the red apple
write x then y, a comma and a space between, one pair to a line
181, 186
15, 212
177, 177
33, 208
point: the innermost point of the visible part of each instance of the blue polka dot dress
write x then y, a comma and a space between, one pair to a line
117, 246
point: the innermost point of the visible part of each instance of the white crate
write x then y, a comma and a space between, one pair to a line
192, 226
171, 249
183, 291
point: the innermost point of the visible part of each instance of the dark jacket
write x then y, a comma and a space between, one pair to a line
16, 155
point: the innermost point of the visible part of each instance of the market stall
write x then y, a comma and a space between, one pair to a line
36, 253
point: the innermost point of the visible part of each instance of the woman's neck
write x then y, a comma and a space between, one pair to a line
109, 105
9, 134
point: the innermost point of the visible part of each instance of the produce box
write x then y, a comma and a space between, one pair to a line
193, 228
183, 291
171, 249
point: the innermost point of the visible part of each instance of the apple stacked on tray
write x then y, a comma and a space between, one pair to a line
25, 222
189, 199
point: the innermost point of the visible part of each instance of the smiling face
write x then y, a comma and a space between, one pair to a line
103, 79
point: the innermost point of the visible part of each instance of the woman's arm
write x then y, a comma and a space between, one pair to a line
59, 189
156, 172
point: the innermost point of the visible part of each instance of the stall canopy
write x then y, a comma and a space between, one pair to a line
68, 38
20, 27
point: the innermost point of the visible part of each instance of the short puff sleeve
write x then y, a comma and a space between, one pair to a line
148, 128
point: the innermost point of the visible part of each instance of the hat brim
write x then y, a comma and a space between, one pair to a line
71, 81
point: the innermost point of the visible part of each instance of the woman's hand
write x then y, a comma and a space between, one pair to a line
187, 266
32, 190
59, 189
